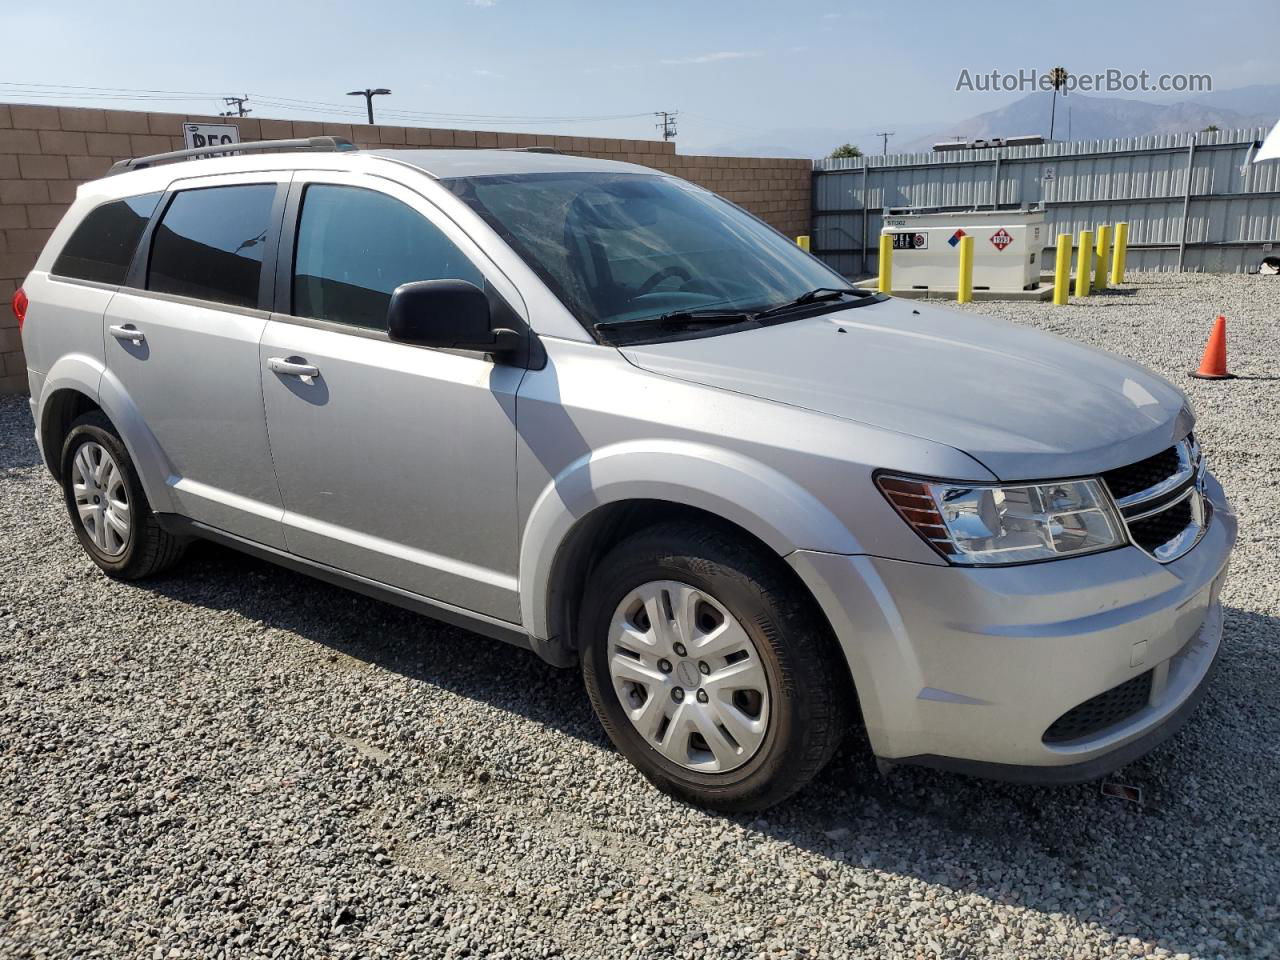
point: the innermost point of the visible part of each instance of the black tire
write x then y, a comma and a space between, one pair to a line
811, 695
150, 548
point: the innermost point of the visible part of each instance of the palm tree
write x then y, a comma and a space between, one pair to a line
1058, 77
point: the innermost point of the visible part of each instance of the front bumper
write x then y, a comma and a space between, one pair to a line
966, 668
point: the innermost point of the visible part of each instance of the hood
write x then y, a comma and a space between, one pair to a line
1027, 404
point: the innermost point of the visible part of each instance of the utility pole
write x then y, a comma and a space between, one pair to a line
1058, 77
668, 124
237, 105
884, 150
369, 93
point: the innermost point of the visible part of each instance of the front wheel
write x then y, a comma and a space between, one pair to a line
710, 669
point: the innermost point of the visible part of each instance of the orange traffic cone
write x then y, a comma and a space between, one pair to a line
1214, 364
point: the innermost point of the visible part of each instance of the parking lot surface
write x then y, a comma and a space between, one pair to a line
237, 761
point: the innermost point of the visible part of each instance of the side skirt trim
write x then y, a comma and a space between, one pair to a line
435, 609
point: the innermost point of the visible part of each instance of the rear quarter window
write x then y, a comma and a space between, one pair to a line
101, 248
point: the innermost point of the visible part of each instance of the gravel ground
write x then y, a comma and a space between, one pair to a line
235, 761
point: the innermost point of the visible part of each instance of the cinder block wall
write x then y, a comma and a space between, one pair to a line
46, 152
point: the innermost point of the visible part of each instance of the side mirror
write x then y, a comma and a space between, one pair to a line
452, 314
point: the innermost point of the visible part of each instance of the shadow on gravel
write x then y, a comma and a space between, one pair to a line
17, 444
1155, 871
406, 643
1135, 871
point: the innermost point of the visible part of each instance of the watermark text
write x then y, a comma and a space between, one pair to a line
1108, 81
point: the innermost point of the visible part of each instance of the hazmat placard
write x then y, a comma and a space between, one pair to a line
1005, 249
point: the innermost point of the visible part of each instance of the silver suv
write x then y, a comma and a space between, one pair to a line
602, 413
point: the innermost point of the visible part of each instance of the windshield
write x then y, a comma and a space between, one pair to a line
616, 247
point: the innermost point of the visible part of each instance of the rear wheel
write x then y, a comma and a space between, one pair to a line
709, 668
108, 509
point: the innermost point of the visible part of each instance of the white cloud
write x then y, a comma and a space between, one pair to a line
482, 3
490, 74
714, 57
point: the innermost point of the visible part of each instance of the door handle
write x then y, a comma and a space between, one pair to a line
292, 368
127, 331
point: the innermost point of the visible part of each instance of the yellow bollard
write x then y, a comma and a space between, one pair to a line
886, 263
1062, 271
964, 292
1104, 255
803, 243
1084, 263
1117, 257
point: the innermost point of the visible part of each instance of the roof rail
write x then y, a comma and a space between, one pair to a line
315, 144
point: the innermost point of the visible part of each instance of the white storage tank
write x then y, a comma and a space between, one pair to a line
1007, 248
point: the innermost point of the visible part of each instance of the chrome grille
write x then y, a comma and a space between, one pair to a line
1141, 476
1155, 531
1162, 500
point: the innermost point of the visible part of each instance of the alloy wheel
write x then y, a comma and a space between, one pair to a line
101, 498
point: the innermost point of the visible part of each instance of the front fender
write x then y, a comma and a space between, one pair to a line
755, 497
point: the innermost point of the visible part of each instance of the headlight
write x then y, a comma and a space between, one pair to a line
977, 524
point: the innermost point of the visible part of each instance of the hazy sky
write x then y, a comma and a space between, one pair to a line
730, 68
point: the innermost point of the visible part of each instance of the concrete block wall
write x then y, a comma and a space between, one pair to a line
46, 152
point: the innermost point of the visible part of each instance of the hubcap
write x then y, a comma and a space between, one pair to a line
102, 501
688, 676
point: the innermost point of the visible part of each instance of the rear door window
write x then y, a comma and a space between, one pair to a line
101, 248
209, 243
355, 246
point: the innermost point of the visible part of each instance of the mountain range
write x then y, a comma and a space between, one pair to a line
1079, 117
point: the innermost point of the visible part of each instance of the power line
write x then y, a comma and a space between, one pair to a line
668, 124
106, 96
885, 137
55, 91
438, 115
346, 110
425, 118
71, 86
238, 103
489, 116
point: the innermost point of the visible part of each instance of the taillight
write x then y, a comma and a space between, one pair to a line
19, 304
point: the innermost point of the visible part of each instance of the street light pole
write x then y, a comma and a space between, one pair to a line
369, 93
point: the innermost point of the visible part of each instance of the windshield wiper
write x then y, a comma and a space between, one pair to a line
679, 318
817, 295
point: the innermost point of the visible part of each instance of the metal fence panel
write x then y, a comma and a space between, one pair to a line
1192, 201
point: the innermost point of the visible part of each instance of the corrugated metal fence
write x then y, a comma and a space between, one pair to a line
1190, 200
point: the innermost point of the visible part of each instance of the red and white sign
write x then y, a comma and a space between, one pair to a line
1001, 239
